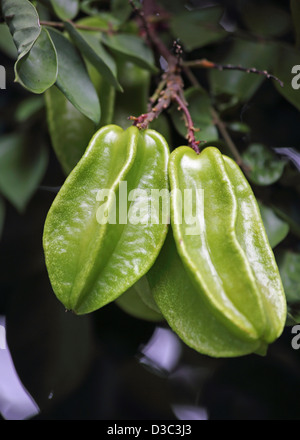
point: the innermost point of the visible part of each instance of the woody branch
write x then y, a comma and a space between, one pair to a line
170, 88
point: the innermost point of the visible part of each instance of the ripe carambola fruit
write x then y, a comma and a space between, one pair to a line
91, 260
219, 288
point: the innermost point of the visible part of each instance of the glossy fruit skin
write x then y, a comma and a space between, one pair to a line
220, 289
138, 301
91, 264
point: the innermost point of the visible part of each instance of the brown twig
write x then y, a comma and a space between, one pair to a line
189, 123
206, 64
152, 37
170, 88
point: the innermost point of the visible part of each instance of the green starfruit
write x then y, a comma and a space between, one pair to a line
99, 237
219, 287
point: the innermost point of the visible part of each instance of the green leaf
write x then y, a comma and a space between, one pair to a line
2, 214
73, 79
23, 22
93, 51
260, 23
65, 9
287, 214
295, 8
276, 228
133, 48
289, 267
7, 45
21, 168
37, 70
284, 71
70, 131
100, 21
121, 9
200, 110
36, 66
28, 107
198, 28
133, 101
248, 54
265, 168
239, 127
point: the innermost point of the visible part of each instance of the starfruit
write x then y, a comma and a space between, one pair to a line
216, 281
100, 237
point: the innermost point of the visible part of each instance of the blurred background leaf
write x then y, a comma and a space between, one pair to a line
22, 166
276, 228
121, 9
260, 23
131, 48
7, 45
265, 167
65, 9
28, 107
196, 29
69, 129
136, 84
92, 50
289, 266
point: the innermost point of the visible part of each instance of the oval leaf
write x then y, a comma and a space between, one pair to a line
265, 168
70, 131
133, 48
28, 107
23, 22
133, 101
121, 9
37, 70
73, 79
276, 228
36, 66
65, 9
21, 168
92, 50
